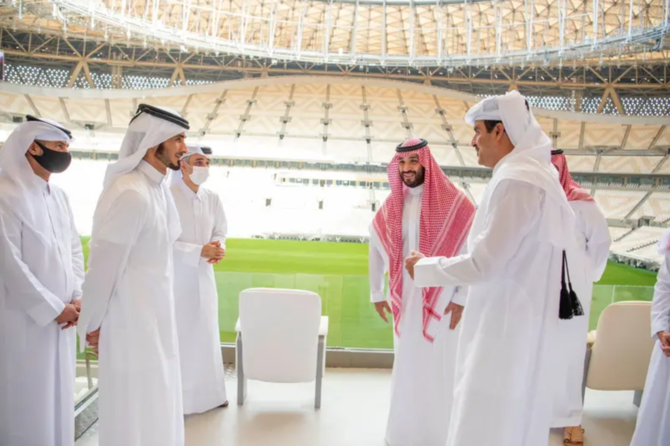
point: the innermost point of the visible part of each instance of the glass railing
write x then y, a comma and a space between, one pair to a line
604, 295
353, 322
85, 394
345, 299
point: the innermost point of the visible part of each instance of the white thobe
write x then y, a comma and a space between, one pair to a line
653, 419
423, 372
587, 262
196, 299
502, 393
128, 292
39, 275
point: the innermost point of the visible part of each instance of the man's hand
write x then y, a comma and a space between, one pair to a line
664, 336
456, 314
93, 339
69, 316
411, 261
213, 252
77, 306
217, 260
383, 308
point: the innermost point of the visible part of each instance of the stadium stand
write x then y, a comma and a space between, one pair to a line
265, 130
638, 239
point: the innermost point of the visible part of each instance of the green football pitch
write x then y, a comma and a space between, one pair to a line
338, 273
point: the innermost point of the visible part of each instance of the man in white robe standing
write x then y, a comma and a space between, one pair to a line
653, 418
201, 244
425, 210
128, 306
587, 263
503, 391
41, 272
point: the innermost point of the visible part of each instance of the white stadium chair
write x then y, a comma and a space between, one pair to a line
621, 348
281, 338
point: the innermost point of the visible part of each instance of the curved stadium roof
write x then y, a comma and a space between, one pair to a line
376, 32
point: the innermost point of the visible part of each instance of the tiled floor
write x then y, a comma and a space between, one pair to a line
353, 413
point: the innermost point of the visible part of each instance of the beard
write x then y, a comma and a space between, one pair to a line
416, 181
163, 158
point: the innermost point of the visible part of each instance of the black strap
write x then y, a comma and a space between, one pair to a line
31, 118
161, 114
570, 305
420, 145
565, 307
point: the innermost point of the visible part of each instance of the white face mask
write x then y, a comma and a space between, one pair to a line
199, 175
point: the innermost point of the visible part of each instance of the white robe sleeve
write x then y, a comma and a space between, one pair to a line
376, 270
598, 239
220, 224
460, 293
110, 248
660, 307
188, 253
514, 209
77, 258
41, 304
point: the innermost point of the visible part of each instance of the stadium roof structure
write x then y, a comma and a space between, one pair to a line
393, 33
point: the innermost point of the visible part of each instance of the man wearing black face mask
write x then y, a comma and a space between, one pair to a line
47, 157
40, 289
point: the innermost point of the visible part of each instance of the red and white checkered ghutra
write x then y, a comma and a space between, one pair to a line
446, 217
573, 191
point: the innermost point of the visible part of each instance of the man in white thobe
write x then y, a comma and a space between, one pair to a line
425, 210
503, 393
201, 244
587, 263
653, 418
128, 305
40, 289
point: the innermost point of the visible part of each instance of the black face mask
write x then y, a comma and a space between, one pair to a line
53, 161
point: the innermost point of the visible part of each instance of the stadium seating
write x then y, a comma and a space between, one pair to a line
274, 202
615, 232
658, 206
639, 238
358, 122
618, 203
353, 124
650, 252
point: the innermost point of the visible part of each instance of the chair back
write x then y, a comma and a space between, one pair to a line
622, 349
280, 331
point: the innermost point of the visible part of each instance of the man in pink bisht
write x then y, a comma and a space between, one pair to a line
425, 212
587, 263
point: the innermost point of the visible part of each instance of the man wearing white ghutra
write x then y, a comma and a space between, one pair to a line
202, 243
503, 394
128, 309
40, 288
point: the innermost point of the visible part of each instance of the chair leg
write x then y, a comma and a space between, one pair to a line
637, 398
587, 363
241, 380
320, 365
